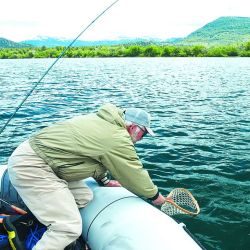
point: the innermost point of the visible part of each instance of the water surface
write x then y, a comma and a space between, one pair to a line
200, 109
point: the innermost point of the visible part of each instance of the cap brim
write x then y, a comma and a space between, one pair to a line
150, 131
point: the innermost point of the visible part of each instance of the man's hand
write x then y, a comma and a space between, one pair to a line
113, 183
159, 200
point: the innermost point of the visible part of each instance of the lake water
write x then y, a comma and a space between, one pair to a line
201, 115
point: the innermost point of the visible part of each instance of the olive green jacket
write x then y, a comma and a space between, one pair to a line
89, 145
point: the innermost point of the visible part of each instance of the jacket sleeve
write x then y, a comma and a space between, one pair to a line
125, 166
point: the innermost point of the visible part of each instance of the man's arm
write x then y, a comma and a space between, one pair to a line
125, 166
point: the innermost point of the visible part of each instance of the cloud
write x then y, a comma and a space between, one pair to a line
130, 18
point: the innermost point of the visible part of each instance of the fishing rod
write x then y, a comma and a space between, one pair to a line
57, 59
14, 208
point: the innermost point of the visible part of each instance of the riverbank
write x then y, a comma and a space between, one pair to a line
242, 50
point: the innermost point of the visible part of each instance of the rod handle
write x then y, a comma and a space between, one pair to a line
18, 210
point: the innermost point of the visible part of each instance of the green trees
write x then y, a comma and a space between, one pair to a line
198, 50
232, 51
129, 51
133, 51
166, 52
247, 46
152, 51
245, 51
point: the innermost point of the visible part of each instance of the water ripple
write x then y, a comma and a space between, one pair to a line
200, 109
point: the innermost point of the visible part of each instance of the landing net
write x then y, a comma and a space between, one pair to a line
180, 201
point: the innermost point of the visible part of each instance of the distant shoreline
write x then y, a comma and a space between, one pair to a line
242, 50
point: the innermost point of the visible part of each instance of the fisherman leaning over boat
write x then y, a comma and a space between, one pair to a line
48, 168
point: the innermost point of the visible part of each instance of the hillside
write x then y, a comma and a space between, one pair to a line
53, 42
222, 31
5, 43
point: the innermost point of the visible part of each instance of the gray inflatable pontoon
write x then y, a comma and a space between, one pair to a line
117, 219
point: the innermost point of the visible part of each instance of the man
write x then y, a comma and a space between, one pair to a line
48, 168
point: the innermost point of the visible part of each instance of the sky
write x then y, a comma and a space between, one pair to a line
27, 19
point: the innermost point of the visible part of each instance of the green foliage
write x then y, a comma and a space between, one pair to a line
129, 51
222, 31
133, 50
247, 46
152, 51
198, 50
166, 51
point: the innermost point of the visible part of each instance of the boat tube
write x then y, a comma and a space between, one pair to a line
117, 219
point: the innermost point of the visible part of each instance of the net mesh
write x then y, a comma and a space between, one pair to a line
180, 201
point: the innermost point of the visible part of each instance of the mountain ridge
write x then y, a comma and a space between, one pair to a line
6, 43
222, 31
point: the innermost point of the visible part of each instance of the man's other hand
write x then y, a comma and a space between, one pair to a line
113, 183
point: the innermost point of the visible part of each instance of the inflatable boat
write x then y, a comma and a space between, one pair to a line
117, 219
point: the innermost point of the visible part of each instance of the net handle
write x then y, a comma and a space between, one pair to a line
169, 200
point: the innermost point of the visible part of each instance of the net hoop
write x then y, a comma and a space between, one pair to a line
177, 208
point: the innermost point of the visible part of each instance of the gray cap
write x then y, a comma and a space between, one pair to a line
139, 117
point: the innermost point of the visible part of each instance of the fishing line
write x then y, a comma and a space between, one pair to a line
47, 71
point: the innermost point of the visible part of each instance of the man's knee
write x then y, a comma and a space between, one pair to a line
71, 226
76, 228
82, 194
